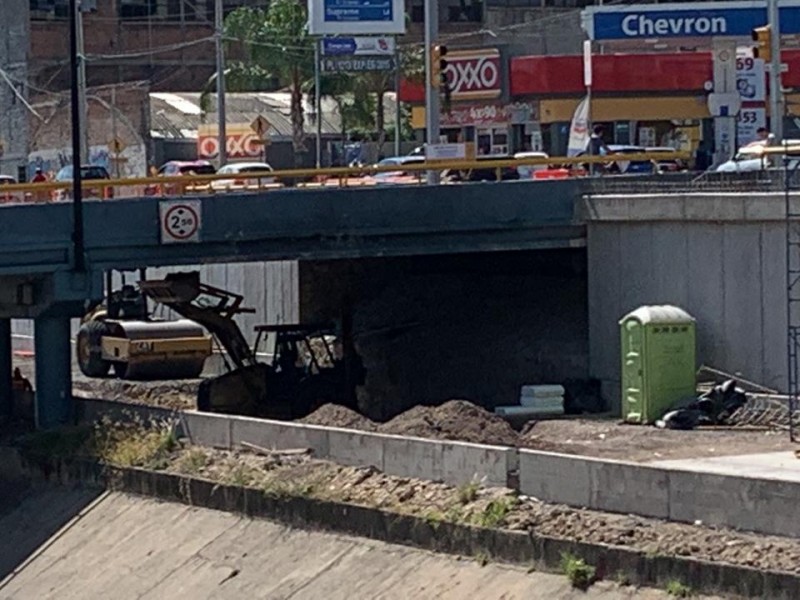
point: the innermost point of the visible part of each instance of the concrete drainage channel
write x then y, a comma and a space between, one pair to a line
742, 503
528, 549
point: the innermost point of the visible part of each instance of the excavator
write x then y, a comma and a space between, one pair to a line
121, 334
308, 365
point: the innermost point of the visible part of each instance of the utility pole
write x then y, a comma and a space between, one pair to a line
431, 92
222, 137
318, 102
397, 103
775, 91
77, 199
82, 105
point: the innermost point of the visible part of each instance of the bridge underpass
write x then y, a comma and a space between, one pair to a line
331, 232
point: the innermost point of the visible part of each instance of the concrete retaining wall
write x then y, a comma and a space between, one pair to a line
452, 462
760, 505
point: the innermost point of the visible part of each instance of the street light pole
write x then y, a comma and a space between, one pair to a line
431, 93
82, 104
222, 136
77, 199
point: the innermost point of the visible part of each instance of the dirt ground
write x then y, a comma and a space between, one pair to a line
488, 507
602, 438
464, 421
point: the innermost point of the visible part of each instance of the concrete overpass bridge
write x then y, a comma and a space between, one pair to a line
36, 249
493, 285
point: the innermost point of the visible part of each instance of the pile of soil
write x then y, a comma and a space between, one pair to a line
335, 415
454, 420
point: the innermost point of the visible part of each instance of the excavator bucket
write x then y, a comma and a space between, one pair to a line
241, 392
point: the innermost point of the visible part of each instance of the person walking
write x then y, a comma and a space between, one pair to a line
39, 177
597, 147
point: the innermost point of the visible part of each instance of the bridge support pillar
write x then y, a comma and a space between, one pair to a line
6, 391
53, 372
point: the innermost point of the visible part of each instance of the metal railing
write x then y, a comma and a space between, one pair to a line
413, 173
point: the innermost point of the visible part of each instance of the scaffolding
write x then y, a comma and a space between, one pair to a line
792, 200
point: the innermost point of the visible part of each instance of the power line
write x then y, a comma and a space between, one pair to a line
19, 96
149, 51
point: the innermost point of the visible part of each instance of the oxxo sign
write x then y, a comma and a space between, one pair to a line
474, 74
241, 142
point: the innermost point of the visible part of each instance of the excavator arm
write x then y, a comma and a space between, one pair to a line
211, 307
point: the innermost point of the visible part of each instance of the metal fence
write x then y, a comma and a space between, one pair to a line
688, 182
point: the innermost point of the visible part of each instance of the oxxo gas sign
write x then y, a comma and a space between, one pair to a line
473, 74
695, 19
242, 142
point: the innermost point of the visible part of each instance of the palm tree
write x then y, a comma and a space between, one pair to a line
278, 50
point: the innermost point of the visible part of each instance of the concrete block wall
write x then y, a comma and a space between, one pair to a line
722, 258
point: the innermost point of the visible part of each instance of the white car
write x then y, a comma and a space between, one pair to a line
751, 158
527, 171
236, 170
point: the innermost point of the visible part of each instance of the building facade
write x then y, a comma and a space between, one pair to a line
14, 43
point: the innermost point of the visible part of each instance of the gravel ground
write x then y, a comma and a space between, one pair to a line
490, 507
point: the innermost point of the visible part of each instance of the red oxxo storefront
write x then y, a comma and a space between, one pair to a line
527, 102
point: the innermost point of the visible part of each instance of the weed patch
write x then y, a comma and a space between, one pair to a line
580, 574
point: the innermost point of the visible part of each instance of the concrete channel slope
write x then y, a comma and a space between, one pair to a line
128, 547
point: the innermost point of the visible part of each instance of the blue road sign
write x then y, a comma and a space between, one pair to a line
348, 11
699, 19
338, 46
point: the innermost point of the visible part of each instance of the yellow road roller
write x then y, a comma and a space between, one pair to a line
120, 334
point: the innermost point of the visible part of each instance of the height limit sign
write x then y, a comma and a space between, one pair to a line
181, 221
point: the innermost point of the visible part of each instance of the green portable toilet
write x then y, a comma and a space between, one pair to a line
658, 361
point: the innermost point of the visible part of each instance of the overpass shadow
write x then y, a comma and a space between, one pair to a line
33, 518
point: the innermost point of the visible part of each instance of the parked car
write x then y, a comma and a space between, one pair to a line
6, 196
236, 170
668, 165
617, 165
175, 168
482, 174
88, 173
400, 176
752, 157
527, 171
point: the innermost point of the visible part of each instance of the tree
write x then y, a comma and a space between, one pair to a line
278, 49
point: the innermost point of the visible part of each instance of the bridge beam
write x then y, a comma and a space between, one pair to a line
53, 372
6, 391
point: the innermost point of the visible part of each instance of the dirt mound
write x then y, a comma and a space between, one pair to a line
335, 415
176, 395
454, 420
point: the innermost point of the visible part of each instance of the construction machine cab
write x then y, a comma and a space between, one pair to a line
302, 373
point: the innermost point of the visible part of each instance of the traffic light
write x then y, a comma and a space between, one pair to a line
763, 35
438, 66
